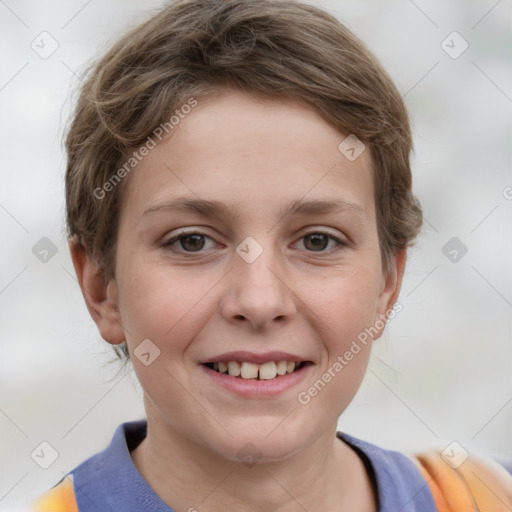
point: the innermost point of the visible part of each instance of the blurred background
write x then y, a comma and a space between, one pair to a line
442, 371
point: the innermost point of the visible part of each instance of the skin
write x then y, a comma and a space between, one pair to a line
258, 156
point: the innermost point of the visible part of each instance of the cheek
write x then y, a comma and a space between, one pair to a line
345, 313
346, 304
167, 308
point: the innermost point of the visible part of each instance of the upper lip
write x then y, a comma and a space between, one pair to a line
254, 357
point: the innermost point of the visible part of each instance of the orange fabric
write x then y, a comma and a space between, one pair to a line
478, 485
59, 499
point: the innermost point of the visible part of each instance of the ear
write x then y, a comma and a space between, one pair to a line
100, 296
389, 291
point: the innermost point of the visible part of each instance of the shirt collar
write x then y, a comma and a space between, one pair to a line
399, 484
109, 481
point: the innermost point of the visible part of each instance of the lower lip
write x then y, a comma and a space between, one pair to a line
255, 387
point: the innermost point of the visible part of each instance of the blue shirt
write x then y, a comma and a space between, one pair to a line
110, 482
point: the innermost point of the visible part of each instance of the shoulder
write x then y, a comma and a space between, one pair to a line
398, 483
59, 499
97, 479
439, 479
464, 481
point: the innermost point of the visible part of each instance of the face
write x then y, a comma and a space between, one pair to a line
283, 264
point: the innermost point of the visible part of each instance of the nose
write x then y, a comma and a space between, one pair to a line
258, 293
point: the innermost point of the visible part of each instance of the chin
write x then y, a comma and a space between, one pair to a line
262, 440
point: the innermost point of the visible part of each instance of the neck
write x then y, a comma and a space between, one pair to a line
187, 476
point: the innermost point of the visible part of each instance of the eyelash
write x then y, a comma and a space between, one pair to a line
168, 244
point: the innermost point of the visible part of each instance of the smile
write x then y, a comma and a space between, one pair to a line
265, 371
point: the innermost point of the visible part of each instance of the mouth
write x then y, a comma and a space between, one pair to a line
256, 375
245, 370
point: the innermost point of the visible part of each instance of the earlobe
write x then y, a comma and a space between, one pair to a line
390, 289
100, 297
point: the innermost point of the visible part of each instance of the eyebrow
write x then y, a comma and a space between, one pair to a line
218, 209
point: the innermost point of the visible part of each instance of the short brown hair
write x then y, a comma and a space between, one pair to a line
275, 48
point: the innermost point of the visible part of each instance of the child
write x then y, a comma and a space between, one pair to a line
254, 130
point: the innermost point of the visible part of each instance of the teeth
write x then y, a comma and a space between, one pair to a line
281, 367
234, 368
265, 371
249, 371
268, 370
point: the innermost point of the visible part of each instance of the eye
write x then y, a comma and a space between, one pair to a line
193, 241
318, 241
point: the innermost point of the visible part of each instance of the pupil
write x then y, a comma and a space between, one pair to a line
318, 241
196, 244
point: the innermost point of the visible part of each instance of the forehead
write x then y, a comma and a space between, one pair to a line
254, 154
